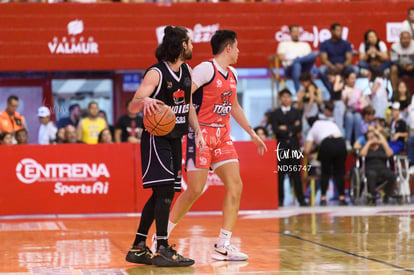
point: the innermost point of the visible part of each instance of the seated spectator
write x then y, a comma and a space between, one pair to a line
6, 138
22, 136
335, 54
103, 115
105, 136
10, 119
47, 130
408, 24
368, 118
378, 124
309, 100
402, 57
379, 95
376, 152
402, 95
129, 127
89, 128
261, 132
71, 135
310, 97
75, 114
373, 52
398, 130
352, 95
296, 56
60, 135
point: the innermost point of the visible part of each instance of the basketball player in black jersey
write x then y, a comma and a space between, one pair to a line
169, 82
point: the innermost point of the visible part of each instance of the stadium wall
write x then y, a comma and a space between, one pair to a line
118, 36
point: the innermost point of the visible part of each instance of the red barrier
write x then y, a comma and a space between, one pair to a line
112, 36
67, 178
106, 178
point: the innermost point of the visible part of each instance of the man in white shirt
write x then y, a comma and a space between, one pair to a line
332, 155
296, 56
408, 24
47, 130
402, 57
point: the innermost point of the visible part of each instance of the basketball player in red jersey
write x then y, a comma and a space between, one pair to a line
215, 99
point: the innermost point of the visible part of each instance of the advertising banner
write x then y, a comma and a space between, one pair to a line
67, 178
106, 178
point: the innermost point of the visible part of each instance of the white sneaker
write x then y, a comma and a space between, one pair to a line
228, 253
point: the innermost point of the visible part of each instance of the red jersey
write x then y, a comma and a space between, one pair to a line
214, 99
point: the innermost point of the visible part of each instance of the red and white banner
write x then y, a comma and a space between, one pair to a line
106, 178
116, 36
72, 178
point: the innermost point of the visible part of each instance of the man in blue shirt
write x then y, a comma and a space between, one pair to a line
75, 113
336, 54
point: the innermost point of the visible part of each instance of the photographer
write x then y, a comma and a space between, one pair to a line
326, 135
376, 152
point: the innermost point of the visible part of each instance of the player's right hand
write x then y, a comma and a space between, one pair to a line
151, 105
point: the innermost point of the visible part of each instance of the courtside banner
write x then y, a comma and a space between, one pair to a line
117, 36
67, 178
106, 178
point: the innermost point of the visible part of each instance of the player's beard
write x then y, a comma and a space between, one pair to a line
188, 54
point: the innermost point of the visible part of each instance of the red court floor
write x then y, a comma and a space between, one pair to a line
330, 240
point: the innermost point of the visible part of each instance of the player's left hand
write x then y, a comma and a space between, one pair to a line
260, 144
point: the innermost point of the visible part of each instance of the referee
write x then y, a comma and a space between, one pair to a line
332, 154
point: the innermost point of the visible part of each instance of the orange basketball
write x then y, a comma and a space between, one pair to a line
161, 122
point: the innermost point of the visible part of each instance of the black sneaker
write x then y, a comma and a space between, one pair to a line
167, 257
139, 255
343, 202
372, 202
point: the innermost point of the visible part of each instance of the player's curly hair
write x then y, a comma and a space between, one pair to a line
172, 44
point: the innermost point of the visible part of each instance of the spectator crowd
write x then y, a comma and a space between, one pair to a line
374, 122
92, 128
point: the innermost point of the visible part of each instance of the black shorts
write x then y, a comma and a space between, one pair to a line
160, 161
402, 71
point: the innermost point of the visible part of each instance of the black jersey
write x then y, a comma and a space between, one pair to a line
175, 90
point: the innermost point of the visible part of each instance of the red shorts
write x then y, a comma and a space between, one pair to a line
219, 147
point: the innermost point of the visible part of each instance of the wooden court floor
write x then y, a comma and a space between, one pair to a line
330, 240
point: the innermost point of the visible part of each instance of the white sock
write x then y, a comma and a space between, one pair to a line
171, 226
224, 238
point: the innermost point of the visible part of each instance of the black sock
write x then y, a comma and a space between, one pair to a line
147, 218
164, 197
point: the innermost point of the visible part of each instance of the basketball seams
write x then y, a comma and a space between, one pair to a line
149, 123
155, 123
